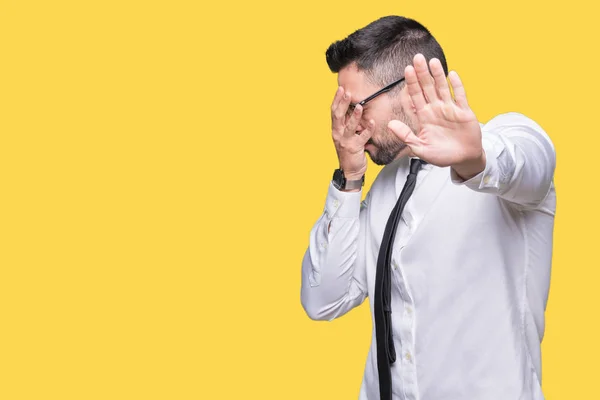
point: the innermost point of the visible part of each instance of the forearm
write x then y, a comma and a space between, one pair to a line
519, 163
331, 270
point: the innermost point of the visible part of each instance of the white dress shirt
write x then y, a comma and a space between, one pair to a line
471, 269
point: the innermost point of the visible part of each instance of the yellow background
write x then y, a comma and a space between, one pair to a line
162, 163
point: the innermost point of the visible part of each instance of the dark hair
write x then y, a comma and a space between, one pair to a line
384, 48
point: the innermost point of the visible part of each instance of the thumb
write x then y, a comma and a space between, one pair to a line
405, 134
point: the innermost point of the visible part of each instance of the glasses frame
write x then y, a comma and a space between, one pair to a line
389, 87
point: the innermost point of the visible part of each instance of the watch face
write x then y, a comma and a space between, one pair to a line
338, 178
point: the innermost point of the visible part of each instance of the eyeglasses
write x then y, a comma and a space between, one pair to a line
389, 87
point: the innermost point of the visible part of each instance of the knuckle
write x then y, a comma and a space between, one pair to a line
347, 147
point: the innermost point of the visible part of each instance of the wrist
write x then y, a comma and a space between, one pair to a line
353, 174
353, 177
348, 182
470, 168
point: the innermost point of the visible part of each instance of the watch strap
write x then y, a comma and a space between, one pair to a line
357, 184
341, 183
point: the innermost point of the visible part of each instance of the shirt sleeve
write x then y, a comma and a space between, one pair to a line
333, 273
520, 161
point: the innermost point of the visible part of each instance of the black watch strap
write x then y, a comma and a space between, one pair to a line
341, 183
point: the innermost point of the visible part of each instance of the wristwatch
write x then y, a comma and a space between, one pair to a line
341, 183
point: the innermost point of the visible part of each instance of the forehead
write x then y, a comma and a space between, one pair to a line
355, 81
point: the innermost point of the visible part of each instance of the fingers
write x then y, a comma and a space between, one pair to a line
336, 99
405, 134
353, 121
414, 88
425, 78
366, 133
339, 107
441, 83
460, 97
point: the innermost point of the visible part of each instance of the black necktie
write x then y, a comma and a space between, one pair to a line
386, 354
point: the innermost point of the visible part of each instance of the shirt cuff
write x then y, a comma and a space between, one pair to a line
489, 178
342, 204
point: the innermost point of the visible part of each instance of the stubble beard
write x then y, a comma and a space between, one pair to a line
387, 143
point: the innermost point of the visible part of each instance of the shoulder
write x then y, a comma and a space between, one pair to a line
515, 125
511, 119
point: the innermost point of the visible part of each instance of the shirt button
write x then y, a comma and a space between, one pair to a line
486, 180
394, 264
336, 203
408, 357
408, 310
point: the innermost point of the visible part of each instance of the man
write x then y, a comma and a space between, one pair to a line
452, 244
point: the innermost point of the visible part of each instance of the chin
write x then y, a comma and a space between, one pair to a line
385, 157
378, 161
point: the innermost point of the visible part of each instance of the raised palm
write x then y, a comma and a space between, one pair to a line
449, 133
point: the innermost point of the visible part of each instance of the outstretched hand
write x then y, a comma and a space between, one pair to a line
449, 133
